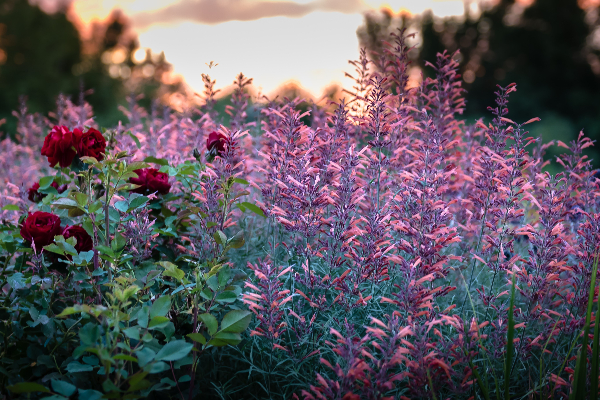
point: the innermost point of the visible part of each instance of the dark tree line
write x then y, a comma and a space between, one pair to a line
550, 48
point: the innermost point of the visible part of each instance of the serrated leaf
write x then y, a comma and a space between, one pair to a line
236, 321
210, 321
220, 238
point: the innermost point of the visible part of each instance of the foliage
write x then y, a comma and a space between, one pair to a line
388, 250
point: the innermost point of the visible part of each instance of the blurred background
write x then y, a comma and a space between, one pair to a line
109, 51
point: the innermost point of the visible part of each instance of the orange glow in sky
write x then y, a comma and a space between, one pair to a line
272, 41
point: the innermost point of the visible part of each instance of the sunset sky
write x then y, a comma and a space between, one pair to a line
272, 41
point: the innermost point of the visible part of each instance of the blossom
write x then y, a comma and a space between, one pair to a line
90, 143
216, 143
58, 147
40, 228
35, 196
150, 180
84, 240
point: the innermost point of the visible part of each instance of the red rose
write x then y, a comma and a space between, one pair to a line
58, 146
40, 228
90, 143
216, 143
150, 181
36, 197
84, 240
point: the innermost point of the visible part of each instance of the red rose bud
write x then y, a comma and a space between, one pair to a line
84, 240
58, 147
40, 228
216, 143
36, 197
150, 181
90, 143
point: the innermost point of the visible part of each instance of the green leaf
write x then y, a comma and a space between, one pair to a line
158, 322
89, 394
161, 306
121, 205
237, 241
145, 356
137, 202
241, 181
197, 337
172, 270
224, 275
132, 333
28, 387
89, 334
95, 206
54, 249
236, 321
220, 238
213, 283
125, 357
227, 297
11, 207
225, 338
254, 208
75, 366
210, 321
105, 250
46, 181
135, 139
62, 387
136, 381
64, 202
174, 350
154, 160
81, 199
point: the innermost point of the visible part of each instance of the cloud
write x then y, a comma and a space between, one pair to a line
213, 12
